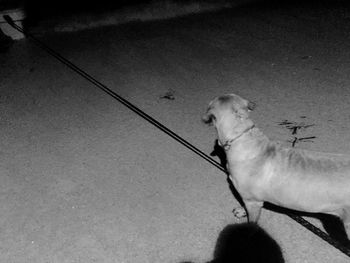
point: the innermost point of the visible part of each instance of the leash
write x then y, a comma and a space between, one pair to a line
163, 128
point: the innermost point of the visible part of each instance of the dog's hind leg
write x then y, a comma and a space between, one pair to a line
253, 210
346, 221
346, 217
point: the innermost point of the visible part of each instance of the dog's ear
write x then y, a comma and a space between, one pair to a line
243, 107
240, 104
208, 118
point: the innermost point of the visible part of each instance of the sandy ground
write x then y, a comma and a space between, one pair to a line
84, 179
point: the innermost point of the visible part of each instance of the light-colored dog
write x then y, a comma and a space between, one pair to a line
262, 170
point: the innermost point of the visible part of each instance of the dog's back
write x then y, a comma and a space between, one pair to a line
294, 174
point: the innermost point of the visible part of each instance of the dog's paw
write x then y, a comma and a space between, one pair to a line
239, 212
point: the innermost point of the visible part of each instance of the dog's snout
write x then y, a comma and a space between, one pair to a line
208, 118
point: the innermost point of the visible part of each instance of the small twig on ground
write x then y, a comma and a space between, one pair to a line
296, 139
168, 95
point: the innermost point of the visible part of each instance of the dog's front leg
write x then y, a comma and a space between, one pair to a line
253, 210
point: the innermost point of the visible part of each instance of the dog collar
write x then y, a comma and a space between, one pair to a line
228, 143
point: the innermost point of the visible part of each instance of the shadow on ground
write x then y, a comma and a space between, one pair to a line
333, 225
246, 242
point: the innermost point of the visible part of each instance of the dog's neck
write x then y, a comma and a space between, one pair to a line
227, 144
236, 134
247, 146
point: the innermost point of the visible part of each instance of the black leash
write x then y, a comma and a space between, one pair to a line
114, 95
160, 126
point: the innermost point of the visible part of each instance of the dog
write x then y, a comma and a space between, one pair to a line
264, 171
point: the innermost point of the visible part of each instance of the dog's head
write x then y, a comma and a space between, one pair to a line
229, 114
227, 104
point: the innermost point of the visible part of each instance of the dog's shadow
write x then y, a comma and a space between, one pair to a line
332, 224
246, 242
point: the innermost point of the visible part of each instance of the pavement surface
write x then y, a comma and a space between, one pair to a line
84, 179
